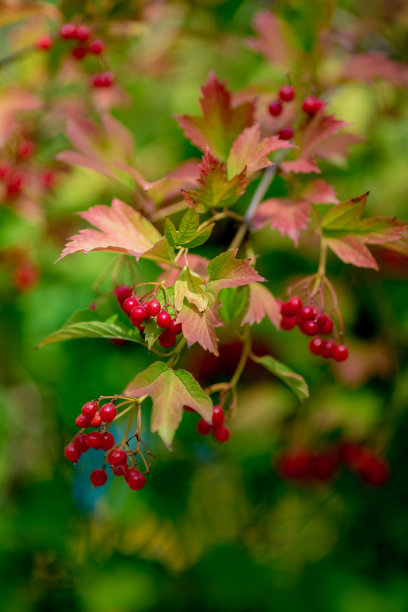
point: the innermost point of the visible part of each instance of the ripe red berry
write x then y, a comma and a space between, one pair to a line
153, 307
310, 328
83, 32
188, 409
316, 345
107, 440
340, 352
102, 79
71, 453
129, 304
96, 421
221, 433
291, 307
117, 457
163, 319
327, 328
5, 170
296, 464
135, 479
25, 148
352, 454
375, 470
308, 313
93, 439
138, 315
80, 443
311, 105
175, 328
82, 421
68, 31
15, 184
218, 416
166, 339
119, 470
203, 427
286, 133
48, 178
79, 53
97, 46
44, 43
98, 478
122, 293
89, 409
327, 349
286, 93
107, 412
324, 465
288, 323
275, 108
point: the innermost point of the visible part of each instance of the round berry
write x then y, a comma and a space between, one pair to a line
286, 133
340, 352
163, 319
275, 108
138, 315
96, 421
221, 433
218, 416
296, 464
327, 349
166, 339
15, 184
89, 409
94, 439
83, 32
97, 46
80, 443
102, 79
311, 105
44, 43
286, 93
327, 328
5, 170
175, 328
324, 465
315, 346
82, 421
98, 478
107, 441
68, 31
122, 293
117, 457
374, 470
153, 307
25, 149
48, 178
107, 412
129, 304
310, 328
71, 453
292, 307
79, 53
119, 470
203, 427
135, 479
308, 313
288, 323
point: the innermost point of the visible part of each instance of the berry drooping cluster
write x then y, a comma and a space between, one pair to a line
102, 439
312, 322
140, 310
307, 467
310, 105
216, 427
83, 43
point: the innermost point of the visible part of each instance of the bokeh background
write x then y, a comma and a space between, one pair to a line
216, 528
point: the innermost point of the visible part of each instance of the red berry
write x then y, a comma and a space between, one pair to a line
296, 464
15, 184
292, 307
129, 304
83, 32
135, 479
221, 433
96, 421
48, 178
122, 293
68, 31
25, 148
163, 319
310, 328
81, 444
321, 319
324, 465
94, 439
119, 470
97, 46
340, 352
117, 457
327, 349
107, 412
175, 328
79, 53
5, 170
25, 277
327, 328
308, 312
44, 43
218, 416
138, 315
375, 470
288, 323
89, 409
203, 427
352, 454
153, 307
286, 93
82, 421
102, 79
188, 409
286, 133
275, 108
107, 441
166, 339
98, 478
312, 105
316, 345
71, 453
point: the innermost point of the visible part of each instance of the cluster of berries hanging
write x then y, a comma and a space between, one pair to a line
216, 427
84, 44
312, 322
310, 105
102, 439
306, 467
139, 311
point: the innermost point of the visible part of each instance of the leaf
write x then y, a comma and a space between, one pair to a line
151, 332
188, 225
295, 381
352, 250
233, 304
91, 329
320, 192
170, 390
221, 122
250, 152
300, 166
344, 215
190, 286
225, 272
373, 65
170, 232
200, 237
288, 216
214, 189
121, 229
272, 39
262, 304
161, 252
200, 326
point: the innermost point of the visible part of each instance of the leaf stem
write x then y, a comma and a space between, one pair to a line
321, 271
243, 359
168, 210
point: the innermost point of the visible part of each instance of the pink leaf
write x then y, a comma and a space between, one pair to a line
271, 41
375, 65
196, 263
262, 304
287, 215
300, 166
225, 272
200, 326
351, 249
320, 192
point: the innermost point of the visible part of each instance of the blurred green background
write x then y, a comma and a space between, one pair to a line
215, 528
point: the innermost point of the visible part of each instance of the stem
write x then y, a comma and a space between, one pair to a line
244, 357
8, 59
321, 271
168, 210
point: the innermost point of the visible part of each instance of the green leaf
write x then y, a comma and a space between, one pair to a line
170, 390
295, 381
92, 329
188, 226
344, 215
225, 272
191, 286
200, 237
170, 232
233, 305
151, 332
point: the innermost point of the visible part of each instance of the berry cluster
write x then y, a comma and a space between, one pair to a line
310, 105
140, 310
102, 440
312, 322
216, 427
307, 466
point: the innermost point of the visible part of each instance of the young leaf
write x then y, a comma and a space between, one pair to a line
295, 381
262, 304
121, 229
221, 122
151, 332
225, 271
272, 40
188, 225
170, 390
200, 237
191, 286
200, 326
214, 190
170, 232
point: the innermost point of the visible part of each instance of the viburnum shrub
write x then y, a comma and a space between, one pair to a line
246, 140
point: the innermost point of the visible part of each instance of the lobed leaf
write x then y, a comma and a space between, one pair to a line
200, 326
295, 381
262, 304
225, 272
190, 286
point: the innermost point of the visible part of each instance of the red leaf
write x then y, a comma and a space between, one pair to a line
225, 272
375, 65
300, 166
287, 215
271, 41
221, 122
320, 192
351, 249
200, 326
262, 304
